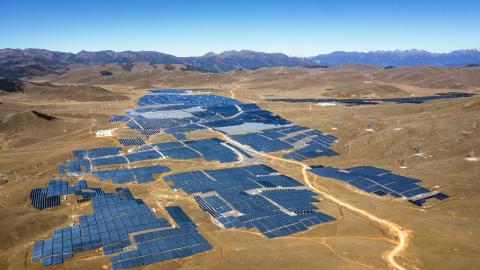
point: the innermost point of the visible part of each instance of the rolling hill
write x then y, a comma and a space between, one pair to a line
18, 63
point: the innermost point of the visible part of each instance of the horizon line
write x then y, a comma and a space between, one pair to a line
235, 50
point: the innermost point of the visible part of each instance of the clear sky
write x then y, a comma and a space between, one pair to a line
191, 28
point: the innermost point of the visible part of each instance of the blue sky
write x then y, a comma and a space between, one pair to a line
189, 28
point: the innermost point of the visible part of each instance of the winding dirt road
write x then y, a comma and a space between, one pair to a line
399, 234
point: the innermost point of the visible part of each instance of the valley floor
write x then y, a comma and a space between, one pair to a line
440, 235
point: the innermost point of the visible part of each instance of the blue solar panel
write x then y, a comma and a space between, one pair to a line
131, 141
158, 98
111, 160
42, 198
375, 101
209, 149
261, 143
279, 206
114, 217
182, 112
143, 155
75, 167
179, 216
96, 152
380, 182
117, 118
140, 174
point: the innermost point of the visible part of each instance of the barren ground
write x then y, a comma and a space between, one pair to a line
442, 234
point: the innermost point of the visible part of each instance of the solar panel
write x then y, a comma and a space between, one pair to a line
380, 182
114, 219
178, 113
140, 174
131, 141
43, 198
252, 196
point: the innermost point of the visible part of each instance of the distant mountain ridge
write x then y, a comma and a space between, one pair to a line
17, 63
401, 58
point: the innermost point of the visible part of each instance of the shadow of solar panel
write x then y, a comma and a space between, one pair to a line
380, 193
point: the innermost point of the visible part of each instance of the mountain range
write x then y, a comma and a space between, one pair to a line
401, 58
17, 63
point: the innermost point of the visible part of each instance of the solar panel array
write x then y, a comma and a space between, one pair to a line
75, 167
208, 149
381, 182
43, 198
124, 226
86, 158
375, 101
96, 152
212, 149
311, 143
183, 97
118, 118
252, 196
242, 197
131, 141
140, 174
180, 112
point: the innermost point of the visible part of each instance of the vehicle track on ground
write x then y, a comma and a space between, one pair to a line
235, 87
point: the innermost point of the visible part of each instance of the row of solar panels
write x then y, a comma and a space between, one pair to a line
162, 245
315, 143
280, 206
274, 204
113, 219
43, 198
208, 149
140, 175
131, 141
375, 101
380, 182
219, 112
